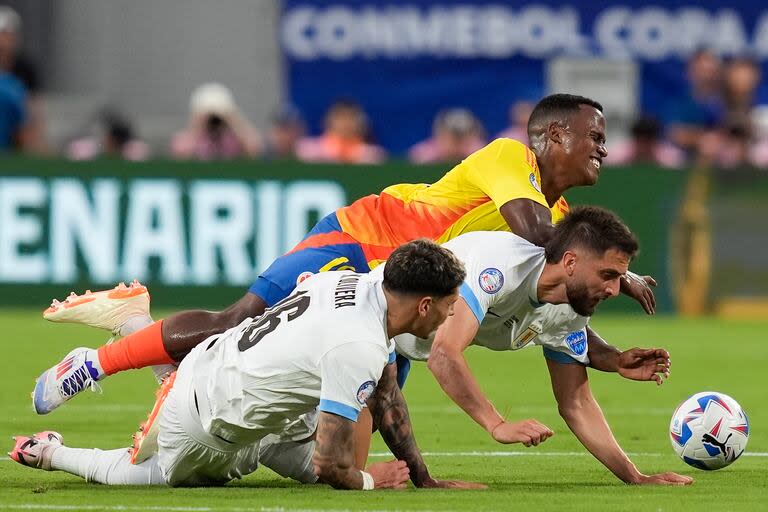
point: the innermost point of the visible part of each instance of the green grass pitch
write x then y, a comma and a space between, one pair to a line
707, 354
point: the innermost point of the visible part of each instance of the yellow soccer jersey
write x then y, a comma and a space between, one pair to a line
466, 199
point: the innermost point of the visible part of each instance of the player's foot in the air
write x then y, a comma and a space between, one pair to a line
108, 309
36, 451
78, 370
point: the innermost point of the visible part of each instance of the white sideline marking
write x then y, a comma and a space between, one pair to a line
540, 454
516, 454
523, 410
507, 454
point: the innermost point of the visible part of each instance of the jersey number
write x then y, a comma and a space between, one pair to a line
294, 306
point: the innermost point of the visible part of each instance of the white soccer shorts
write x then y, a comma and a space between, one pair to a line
190, 456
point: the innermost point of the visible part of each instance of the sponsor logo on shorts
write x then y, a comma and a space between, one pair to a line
365, 391
534, 182
491, 280
577, 341
303, 277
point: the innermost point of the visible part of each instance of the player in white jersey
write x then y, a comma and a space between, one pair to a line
503, 271
517, 295
326, 347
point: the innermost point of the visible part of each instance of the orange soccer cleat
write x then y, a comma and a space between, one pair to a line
108, 309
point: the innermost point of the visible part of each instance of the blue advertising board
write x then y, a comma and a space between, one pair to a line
404, 60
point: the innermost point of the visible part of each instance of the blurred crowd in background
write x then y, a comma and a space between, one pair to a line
717, 121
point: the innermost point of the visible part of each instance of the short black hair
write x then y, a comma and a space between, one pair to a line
557, 107
593, 228
423, 267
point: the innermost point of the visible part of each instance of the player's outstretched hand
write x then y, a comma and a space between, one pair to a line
393, 474
668, 478
528, 432
452, 484
645, 364
639, 288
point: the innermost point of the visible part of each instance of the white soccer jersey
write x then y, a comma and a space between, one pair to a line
325, 346
503, 271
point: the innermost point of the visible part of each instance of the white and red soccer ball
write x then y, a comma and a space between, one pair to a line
709, 430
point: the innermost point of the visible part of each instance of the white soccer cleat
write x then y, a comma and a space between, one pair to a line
65, 380
36, 451
108, 309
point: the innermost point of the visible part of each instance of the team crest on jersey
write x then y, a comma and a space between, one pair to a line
491, 280
525, 337
303, 277
365, 391
577, 341
534, 182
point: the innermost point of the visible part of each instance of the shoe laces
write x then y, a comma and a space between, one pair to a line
77, 381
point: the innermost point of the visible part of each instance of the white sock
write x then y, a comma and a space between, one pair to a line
135, 323
93, 356
111, 467
162, 371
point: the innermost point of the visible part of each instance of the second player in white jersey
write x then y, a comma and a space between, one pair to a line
517, 294
503, 271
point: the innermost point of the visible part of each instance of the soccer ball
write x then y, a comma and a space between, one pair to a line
709, 430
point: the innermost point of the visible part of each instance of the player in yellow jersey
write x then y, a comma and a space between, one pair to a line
503, 186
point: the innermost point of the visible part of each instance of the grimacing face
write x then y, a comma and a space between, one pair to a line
594, 278
584, 145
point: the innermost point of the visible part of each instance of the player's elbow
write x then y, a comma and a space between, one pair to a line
572, 408
535, 234
568, 413
440, 358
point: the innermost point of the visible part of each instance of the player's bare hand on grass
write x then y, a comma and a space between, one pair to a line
452, 484
645, 364
393, 474
668, 478
529, 432
639, 288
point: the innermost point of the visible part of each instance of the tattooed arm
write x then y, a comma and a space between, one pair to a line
334, 458
390, 415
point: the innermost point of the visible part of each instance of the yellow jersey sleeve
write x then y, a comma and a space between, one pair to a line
506, 169
560, 210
